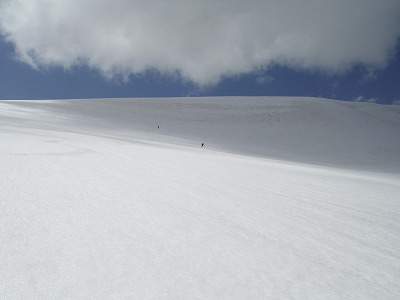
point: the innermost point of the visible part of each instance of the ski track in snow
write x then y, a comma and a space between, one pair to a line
95, 205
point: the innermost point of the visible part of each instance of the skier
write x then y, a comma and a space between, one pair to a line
202, 144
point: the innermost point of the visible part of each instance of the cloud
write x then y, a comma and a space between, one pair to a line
369, 75
201, 40
364, 99
263, 79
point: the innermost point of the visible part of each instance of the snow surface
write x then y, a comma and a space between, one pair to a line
291, 198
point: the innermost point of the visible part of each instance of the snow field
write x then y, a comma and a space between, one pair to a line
134, 215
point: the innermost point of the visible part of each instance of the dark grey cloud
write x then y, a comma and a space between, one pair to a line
203, 40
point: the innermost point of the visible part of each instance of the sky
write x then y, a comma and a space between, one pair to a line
342, 49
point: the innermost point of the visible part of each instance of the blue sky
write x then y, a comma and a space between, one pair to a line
56, 51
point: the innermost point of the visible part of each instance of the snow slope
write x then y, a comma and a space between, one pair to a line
292, 198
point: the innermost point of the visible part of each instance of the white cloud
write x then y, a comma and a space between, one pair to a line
369, 75
263, 79
364, 99
203, 40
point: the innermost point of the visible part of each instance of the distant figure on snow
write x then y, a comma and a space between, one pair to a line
158, 126
202, 144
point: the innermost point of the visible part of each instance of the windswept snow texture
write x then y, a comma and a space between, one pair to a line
288, 199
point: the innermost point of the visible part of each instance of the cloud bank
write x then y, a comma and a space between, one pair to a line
201, 40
